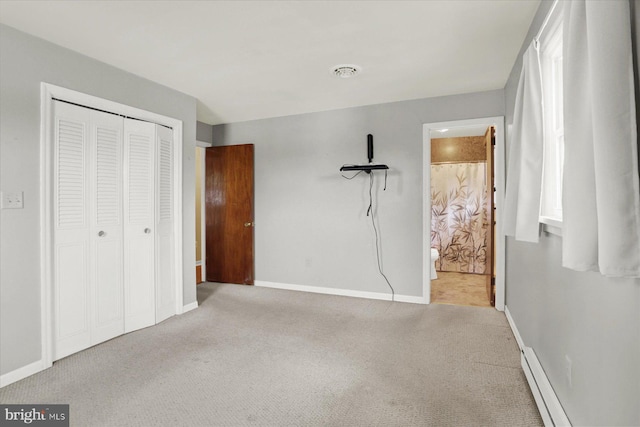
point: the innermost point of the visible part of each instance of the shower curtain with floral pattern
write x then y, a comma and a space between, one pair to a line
459, 216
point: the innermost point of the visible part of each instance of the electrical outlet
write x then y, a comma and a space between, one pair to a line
568, 368
12, 200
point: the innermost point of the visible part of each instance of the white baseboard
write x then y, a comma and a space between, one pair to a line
341, 292
21, 373
549, 406
189, 307
514, 329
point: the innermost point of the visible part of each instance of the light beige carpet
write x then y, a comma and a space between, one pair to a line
257, 356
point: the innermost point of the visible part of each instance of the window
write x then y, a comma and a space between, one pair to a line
551, 71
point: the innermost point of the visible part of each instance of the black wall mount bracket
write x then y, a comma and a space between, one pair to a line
369, 166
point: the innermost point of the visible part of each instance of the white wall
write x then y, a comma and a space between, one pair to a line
25, 62
593, 320
311, 224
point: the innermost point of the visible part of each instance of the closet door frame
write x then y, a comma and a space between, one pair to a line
48, 93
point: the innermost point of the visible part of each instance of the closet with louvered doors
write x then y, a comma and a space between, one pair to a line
112, 179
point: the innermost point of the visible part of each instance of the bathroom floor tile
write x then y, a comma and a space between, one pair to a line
460, 289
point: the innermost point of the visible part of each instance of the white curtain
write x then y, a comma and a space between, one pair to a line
524, 174
601, 195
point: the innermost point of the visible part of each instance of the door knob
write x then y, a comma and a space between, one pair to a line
101, 233
147, 230
248, 224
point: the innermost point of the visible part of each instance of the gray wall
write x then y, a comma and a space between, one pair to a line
25, 62
593, 320
204, 132
311, 224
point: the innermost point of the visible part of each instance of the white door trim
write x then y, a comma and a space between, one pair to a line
499, 167
47, 94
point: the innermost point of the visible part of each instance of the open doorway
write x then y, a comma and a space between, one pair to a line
201, 240
462, 205
463, 193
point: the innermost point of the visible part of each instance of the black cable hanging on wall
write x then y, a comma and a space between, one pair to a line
370, 168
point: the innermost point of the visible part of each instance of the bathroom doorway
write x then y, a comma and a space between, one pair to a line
463, 195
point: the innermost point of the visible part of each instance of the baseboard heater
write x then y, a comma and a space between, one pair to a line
548, 404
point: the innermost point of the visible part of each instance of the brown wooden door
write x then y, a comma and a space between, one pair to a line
229, 214
489, 143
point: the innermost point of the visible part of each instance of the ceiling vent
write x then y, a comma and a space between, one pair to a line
344, 71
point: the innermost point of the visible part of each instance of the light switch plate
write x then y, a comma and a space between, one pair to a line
12, 200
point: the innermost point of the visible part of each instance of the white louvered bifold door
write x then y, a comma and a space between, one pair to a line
71, 291
113, 226
139, 220
87, 284
106, 227
165, 295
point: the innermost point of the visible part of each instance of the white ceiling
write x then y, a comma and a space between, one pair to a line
246, 60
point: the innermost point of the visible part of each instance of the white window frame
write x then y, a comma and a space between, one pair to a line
550, 50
